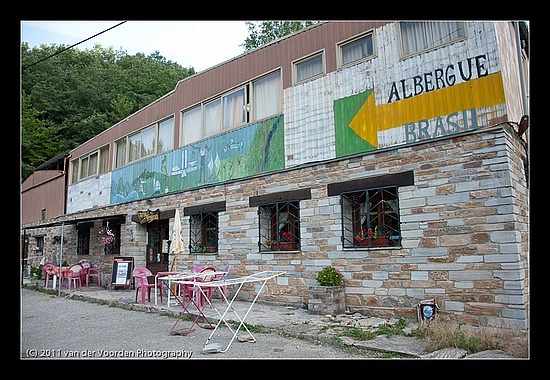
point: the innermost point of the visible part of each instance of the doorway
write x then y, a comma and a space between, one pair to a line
157, 260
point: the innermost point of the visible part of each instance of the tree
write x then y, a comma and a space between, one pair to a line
261, 33
70, 97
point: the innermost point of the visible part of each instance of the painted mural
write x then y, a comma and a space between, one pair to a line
256, 148
448, 100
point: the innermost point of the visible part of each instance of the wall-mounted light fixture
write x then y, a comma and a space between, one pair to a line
131, 230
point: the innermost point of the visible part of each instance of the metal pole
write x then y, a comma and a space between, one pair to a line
60, 262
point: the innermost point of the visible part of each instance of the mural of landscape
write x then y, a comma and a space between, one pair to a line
256, 148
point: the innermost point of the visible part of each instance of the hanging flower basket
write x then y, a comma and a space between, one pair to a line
106, 235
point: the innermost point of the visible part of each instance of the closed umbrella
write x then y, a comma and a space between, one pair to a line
176, 246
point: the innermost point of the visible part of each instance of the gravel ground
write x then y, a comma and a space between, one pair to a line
61, 328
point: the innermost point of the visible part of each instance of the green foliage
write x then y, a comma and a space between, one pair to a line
70, 97
36, 272
264, 32
329, 276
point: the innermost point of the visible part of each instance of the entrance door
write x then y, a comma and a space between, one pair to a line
157, 261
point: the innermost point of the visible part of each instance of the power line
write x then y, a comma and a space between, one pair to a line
70, 47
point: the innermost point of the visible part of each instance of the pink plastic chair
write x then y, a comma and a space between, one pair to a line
48, 270
72, 275
142, 274
86, 265
194, 293
94, 272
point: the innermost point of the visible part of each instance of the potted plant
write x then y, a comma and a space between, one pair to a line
378, 239
286, 242
329, 296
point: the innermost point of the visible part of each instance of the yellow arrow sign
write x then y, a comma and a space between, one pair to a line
477, 93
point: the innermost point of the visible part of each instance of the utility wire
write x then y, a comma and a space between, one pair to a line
70, 47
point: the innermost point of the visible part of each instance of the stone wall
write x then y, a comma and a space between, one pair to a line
464, 227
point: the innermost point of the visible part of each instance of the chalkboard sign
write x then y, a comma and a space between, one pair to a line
122, 272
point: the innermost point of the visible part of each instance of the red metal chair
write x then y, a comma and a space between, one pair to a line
94, 272
142, 275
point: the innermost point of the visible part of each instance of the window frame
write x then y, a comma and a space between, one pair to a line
142, 151
433, 45
382, 214
204, 227
199, 121
350, 41
80, 173
296, 66
274, 221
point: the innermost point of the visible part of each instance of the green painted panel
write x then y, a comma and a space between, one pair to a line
254, 149
347, 141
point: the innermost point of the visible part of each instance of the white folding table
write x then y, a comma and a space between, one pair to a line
217, 285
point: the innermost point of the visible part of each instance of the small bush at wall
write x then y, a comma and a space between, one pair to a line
329, 276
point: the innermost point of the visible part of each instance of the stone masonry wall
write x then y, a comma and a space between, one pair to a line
464, 227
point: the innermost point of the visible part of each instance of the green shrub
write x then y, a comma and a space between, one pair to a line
329, 276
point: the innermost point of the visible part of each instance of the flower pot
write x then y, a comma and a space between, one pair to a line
381, 241
285, 246
327, 299
376, 242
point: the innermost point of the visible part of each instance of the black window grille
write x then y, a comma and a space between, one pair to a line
370, 218
279, 226
204, 230
114, 247
83, 245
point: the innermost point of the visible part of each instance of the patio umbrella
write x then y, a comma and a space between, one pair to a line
176, 246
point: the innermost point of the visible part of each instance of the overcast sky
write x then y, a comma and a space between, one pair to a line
197, 44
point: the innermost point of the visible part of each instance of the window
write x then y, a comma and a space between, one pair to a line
39, 247
192, 126
142, 144
279, 226
212, 118
120, 153
203, 235
356, 50
166, 136
114, 247
267, 96
309, 68
83, 242
233, 109
371, 218
418, 36
97, 162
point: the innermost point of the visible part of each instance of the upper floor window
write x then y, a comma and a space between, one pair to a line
142, 144
417, 36
355, 50
370, 218
156, 139
309, 68
97, 162
166, 136
233, 109
267, 96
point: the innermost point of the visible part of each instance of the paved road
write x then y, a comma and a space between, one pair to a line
61, 328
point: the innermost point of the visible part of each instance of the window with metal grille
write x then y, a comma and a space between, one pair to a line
370, 218
279, 226
114, 247
83, 244
203, 235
